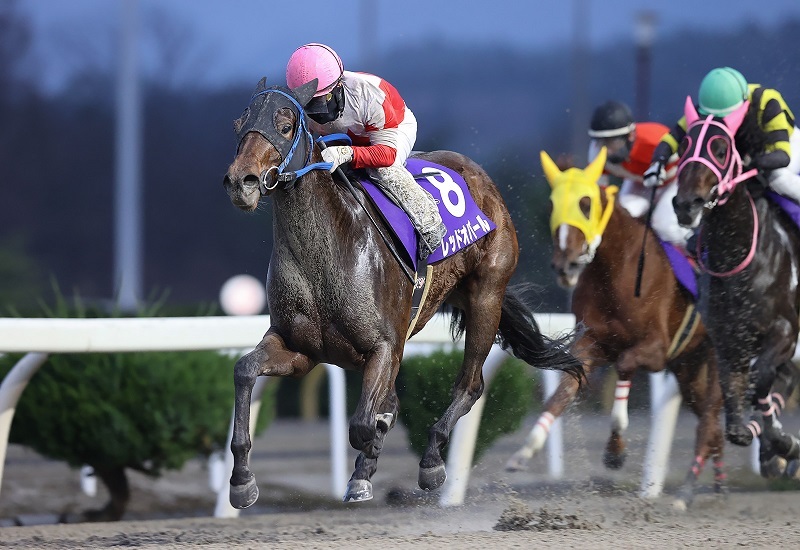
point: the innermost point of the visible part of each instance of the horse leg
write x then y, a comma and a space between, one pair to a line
704, 395
644, 354
553, 408
269, 358
785, 382
614, 455
778, 348
479, 338
375, 415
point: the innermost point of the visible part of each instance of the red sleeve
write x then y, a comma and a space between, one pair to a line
373, 156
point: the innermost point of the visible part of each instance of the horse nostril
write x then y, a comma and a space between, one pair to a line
226, 182
250, 180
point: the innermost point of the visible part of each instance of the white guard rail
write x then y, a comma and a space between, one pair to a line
41, 337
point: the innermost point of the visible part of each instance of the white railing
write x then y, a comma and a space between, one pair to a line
40, 337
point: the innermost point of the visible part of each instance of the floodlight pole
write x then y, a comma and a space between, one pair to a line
127, 198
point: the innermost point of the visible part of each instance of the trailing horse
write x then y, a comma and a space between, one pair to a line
592, 255
748, 248
338, 294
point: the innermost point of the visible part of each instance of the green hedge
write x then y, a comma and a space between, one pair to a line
145, 411
424, 387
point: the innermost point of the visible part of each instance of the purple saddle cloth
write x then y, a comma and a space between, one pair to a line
465, 222
681, 267
791, 208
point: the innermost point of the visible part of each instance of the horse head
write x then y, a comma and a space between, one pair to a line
577, 219
274, 142
710, 167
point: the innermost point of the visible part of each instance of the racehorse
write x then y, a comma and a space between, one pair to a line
748, 249
660, 329
337, 295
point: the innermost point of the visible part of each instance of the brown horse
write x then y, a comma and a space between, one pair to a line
338, 295
594, 256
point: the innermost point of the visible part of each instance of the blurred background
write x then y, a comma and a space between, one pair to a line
116, 115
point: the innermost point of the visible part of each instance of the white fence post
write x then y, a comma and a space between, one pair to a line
462, 440
337, 414
555, 439
10, 391
665, 402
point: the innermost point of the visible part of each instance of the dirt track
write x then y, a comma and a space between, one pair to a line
589, 508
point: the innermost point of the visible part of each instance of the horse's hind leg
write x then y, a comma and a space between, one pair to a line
269, 358
479, 338
375, 415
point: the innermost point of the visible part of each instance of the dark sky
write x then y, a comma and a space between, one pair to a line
208, 42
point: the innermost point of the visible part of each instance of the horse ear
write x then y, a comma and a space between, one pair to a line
305, 92
551, 171
262, 85
595, 168
734, 119
689, 111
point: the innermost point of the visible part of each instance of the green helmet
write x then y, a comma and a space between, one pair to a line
722, 91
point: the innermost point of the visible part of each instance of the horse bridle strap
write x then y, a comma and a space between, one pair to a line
750, 255
733, 175
292, 167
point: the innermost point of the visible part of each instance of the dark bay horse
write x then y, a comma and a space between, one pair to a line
749, 250
592, 254
337, 295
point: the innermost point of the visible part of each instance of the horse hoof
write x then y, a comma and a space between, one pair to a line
792, 469
612, 461
358, 490
774, 467
517, 463
679, 505
432, 478
243, 496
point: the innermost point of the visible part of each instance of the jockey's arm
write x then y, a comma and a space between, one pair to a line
777, 123
619, 171
668, 145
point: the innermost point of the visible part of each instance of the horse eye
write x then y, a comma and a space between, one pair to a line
286, 129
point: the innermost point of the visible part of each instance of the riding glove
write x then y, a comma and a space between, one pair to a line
655, 175
337, 155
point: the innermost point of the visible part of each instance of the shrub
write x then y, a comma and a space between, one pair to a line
146, 411
424, 387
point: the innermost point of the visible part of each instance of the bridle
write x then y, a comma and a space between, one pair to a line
295, 157
727, 182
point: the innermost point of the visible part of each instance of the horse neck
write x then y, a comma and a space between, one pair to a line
621, 231
308, 219
727, 230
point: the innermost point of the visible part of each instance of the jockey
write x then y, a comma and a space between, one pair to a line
383, 130
630, 147
767, 139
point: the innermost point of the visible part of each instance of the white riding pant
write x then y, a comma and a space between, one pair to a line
635, 198
786, 181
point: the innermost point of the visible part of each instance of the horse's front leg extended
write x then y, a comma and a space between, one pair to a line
269, 358
734, 376
375, 415
778, 346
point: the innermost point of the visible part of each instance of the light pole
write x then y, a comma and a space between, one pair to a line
128, 195
644, 32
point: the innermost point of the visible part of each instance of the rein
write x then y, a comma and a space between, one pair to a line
750, 255
721, 192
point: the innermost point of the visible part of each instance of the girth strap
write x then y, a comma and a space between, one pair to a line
684, 333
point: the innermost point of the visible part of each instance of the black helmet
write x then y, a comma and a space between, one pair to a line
611, 119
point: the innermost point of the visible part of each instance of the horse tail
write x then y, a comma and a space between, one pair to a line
519, 331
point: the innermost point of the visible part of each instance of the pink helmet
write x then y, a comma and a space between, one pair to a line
314, 61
